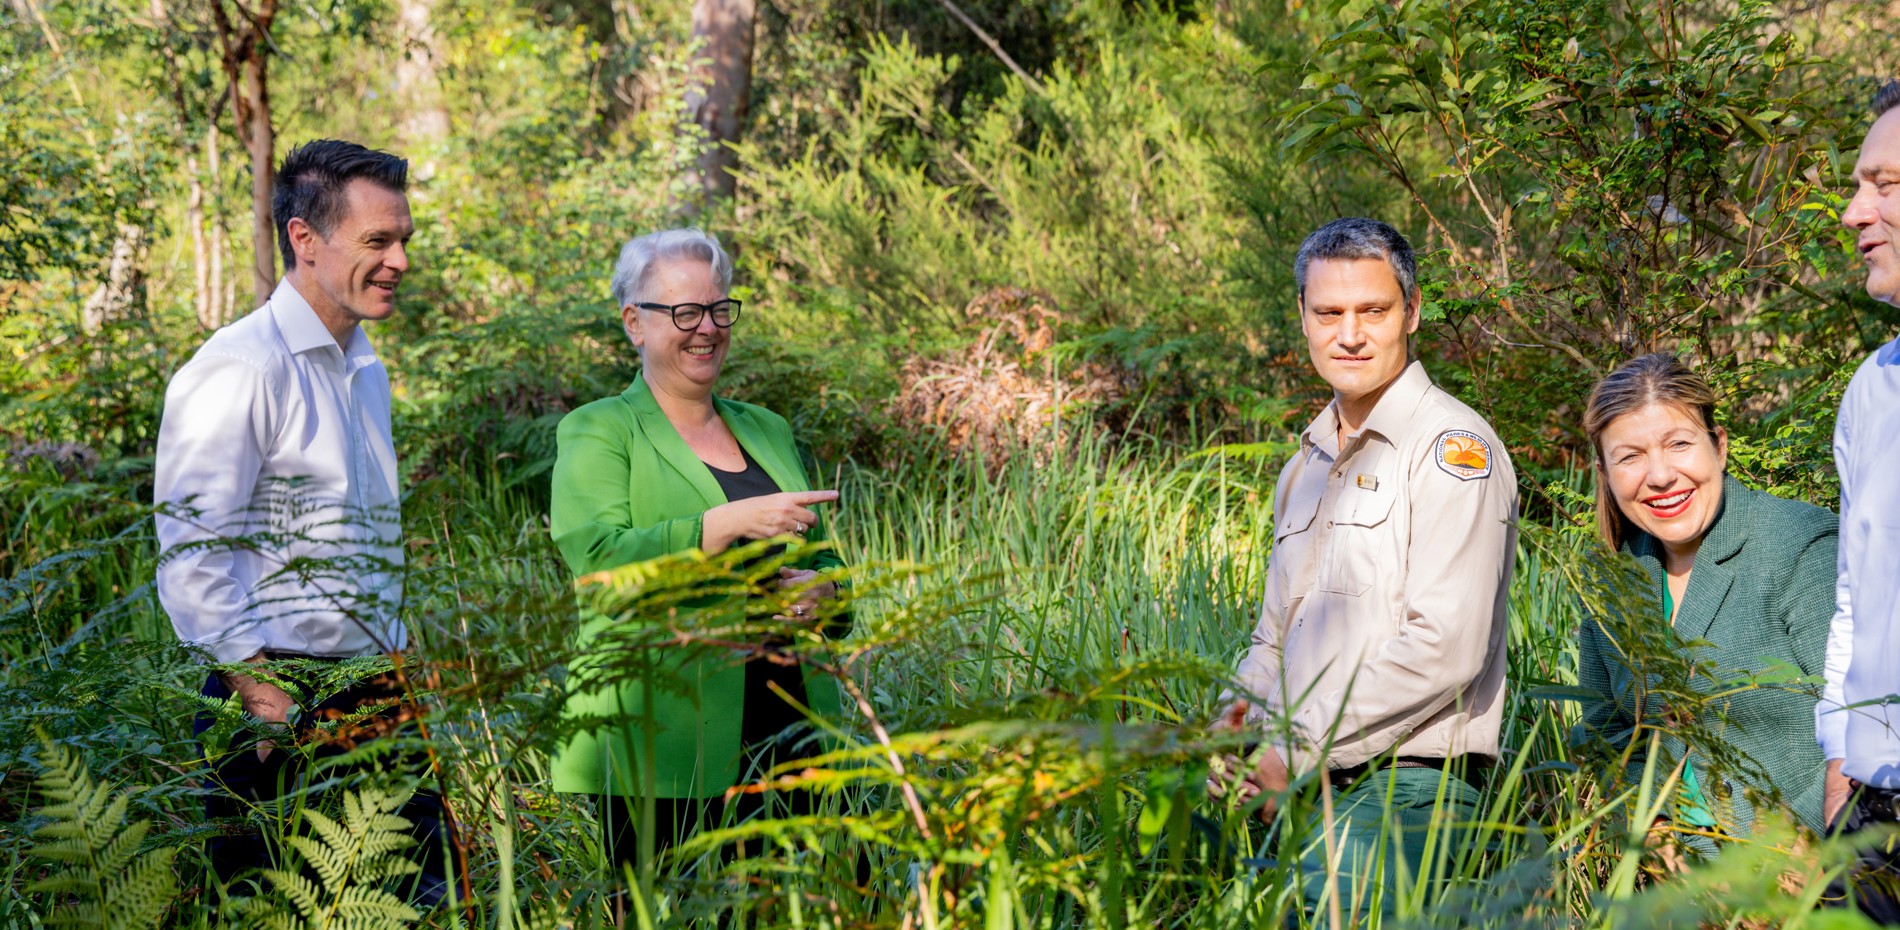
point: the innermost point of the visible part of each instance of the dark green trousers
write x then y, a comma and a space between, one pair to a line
1389, 828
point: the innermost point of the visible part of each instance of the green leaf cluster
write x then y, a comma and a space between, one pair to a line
101, 875
353, 859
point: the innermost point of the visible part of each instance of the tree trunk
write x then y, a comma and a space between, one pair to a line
217, 301
721, 93
427, 124
121, 296
261, 141
200, 260
246, 48
203, 300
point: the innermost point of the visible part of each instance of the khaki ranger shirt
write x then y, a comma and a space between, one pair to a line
1383, 623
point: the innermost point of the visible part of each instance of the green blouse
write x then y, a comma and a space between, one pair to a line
1691, 807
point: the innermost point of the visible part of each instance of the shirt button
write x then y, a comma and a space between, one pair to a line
1329, 524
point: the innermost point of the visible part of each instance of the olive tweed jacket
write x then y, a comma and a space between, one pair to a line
1761, 595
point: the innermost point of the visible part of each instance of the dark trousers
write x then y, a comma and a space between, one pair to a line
767, 724
241, 784
675, 820
1872, 883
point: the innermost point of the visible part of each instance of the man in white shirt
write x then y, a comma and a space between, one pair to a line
279, 530
1857, 720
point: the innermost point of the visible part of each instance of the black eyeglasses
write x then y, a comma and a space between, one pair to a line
687, 316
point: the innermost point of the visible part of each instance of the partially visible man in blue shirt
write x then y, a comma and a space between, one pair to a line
1857, 721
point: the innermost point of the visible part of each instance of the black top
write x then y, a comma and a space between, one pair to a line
765, 714
739, 485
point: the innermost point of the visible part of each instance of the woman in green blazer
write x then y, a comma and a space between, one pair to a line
1748, 574
667, 467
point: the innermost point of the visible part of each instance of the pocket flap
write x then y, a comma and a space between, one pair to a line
1297, 518
1362, 507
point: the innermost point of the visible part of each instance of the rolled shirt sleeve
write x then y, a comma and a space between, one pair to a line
211, 441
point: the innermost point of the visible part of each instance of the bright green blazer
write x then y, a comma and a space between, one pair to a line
1761, 594
627, 488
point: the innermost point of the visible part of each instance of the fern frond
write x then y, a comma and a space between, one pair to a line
106, 881
139, 896
327, 854
350, 858
119, 852
365, 906
302, 892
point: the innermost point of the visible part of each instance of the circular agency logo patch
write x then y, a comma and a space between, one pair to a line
1463, 455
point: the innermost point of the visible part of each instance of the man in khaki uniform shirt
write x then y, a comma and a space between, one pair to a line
1379, 656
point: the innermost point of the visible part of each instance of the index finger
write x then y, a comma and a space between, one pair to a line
802, 498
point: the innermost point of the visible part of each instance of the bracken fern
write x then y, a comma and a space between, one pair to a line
351, 860
101, 878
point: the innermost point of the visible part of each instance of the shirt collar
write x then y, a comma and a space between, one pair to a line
1323, 432
303, 330
1730, 528
1391, 416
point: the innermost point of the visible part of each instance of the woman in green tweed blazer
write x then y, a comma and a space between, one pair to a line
666, 467
1747, 575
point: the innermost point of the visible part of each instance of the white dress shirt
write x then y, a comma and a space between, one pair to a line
1863, 646
279, 441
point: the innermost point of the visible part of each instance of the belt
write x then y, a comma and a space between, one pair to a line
1881, 805
1342, 777
276, 655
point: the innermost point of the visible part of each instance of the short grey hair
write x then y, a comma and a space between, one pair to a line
1357, 237
1886, 98
638, 257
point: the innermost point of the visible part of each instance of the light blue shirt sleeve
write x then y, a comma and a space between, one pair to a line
1858, 719
1830, 722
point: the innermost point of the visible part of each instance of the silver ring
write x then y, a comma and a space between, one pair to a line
798, 610
801, 529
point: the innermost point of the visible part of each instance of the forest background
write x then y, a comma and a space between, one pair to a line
1020, 277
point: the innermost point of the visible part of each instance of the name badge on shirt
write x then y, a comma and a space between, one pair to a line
1369, 482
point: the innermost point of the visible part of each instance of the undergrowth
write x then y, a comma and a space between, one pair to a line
1036, 656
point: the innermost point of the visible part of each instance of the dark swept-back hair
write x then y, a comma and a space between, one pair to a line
1886, 98
311, 181
1657, 378
1357, 237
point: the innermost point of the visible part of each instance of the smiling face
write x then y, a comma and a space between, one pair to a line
683, 364
351, 275
1875, 209
1664, 471
1356, 320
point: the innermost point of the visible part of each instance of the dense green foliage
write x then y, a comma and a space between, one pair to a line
1042, 333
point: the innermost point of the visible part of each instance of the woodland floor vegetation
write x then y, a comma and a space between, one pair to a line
1026, 298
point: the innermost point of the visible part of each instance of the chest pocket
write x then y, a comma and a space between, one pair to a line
1296, 518
1361, 539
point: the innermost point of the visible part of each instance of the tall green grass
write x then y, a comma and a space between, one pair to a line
1041, 648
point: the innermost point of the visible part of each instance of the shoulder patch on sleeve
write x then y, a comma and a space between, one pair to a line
1462, 455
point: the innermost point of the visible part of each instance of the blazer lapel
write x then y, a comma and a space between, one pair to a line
1708, 587
1714, 572
666, 440
751, 434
